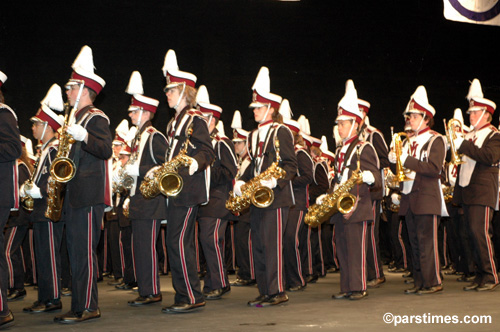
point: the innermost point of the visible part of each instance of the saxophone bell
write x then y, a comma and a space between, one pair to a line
63, 169
170, 184
262, 197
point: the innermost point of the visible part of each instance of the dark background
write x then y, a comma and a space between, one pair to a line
311, 48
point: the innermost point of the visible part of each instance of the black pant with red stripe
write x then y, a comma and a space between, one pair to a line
212, 238
182, 253
126, 255
243, 247
478, 218
294, 275
374, 262
350, 241
268, 227
4, 308
423, 235
47, 239
83, 230
144, 236
14, 237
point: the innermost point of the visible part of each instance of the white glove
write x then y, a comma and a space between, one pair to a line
193, 167
392, 157
368, 177
21, 191
458, 142
151, 172
126, 203
271, 183
34, 191
132, 169
115, 177
320, 199
237, 187
77, 131
395, 198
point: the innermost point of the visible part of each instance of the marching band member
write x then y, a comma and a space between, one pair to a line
368, 133
10, 151
186, 125
213, 217
294, 276
16, 231
148, 151
422, 201
476, 188
243, 237
89, 192
351, 228
267, 224
47, 234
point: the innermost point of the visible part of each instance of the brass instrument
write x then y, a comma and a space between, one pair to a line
448, 193
341, 200
125, 181
252, 192
165, 179
391, 183
400, 175
62, 169
455, 157
27, 201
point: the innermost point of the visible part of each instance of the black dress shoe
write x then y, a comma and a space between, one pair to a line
486, 287
413, 290
273, 300
408, 274
66, 292
341, 296
115, 282
466, 278
358, 295
471, 286
409, 281
333, 269
297, 288
126, 286
16, 294
182, 308
312, 278
215, 294
144, 300
7, 319
430, 290
76, 317
38, 307
201, 275
257, 300
375, 283
243, 282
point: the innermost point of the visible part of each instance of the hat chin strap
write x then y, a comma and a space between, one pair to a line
265, 114
478, 120
140, 118
350, 131
44, 129
180, 96
419, 125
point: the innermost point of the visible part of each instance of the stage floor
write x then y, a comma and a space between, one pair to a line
308, 310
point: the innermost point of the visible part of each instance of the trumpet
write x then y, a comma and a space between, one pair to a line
455, 157
400, 175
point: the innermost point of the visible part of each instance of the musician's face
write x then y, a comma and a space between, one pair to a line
72, 93
37, 129
239, 147
345, 128
416, 122
259, 114
116, 149
475, 118
124, 158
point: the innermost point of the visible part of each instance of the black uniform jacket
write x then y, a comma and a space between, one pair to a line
222, 174
283, 193
368, 162
483, 185
425, 195
303, 178
10, 150
153, 154
92, 182
195, 187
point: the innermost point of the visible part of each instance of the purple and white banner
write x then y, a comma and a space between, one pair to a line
473, 11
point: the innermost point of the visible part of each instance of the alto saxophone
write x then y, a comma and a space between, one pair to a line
252, 192
27, 201
165, 179
338, 201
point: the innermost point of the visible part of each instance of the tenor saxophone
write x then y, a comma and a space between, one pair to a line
338, 201
165, 179
252, 192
